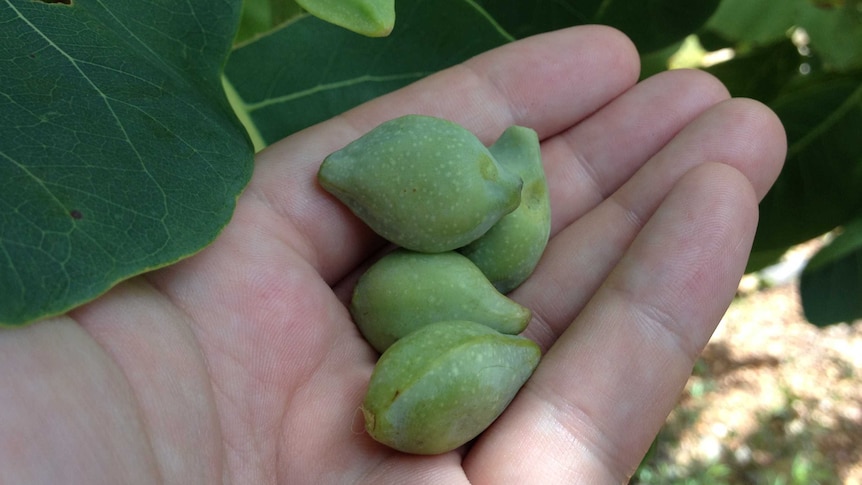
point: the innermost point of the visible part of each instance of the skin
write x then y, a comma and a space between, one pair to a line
240, 364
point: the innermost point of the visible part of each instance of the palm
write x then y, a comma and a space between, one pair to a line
241, 363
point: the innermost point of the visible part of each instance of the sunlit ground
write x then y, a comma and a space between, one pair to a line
773, 400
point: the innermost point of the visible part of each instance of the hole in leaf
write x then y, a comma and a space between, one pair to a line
76, 214
64, 2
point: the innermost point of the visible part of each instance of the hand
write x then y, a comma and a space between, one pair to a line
241, 364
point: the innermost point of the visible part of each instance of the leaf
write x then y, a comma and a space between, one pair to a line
831, 283
651, 24
658, 60
758, 260
119, 153
755, 21
260, 16
523, 19
835, 33
372, 18
298, 87
654, 24
762, 72
820, 186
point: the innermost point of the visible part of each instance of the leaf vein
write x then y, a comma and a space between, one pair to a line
96, 89
331, 86
854, 100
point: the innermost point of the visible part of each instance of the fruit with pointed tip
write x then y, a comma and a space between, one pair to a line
406, 290
423, 183
509, 252
444, 384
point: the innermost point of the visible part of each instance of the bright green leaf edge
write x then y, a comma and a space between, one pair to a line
371, 18
63, 247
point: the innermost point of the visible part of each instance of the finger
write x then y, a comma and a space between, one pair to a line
590, 161
68, 413
548, 82
740, 133
603, 391
152, 345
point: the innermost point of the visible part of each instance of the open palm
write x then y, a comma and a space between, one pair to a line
241, 364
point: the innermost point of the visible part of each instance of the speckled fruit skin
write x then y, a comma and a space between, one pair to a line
423, 183
509, 252
406, 290
444, 384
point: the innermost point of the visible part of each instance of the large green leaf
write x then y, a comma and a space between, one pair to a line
835, 33
820, 186
298, 86
119, 152
651, 24
755, 21
831, 284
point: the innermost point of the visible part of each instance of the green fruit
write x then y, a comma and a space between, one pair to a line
372, 18
424, 183
509, 252
406, 290
441, 386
